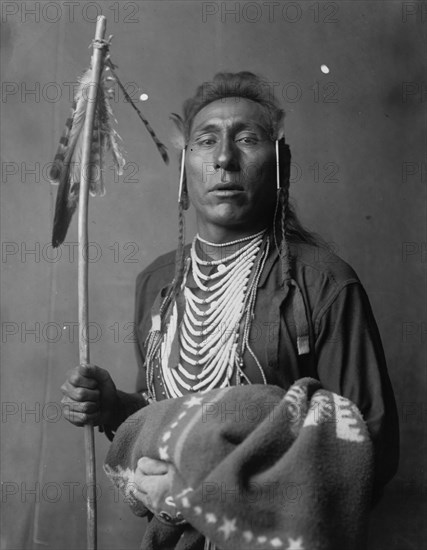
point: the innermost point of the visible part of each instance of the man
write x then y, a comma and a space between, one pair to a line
251, 300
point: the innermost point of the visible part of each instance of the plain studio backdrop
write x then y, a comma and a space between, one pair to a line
357, 134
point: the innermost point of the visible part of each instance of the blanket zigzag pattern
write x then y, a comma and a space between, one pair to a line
348, 420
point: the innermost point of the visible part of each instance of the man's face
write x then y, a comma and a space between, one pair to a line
230, 166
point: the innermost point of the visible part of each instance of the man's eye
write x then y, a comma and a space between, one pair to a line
248, 140
206, 142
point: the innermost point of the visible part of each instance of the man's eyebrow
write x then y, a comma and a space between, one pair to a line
212, 127
237, 127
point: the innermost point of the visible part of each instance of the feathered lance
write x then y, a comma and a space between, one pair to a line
67, 165
83, 294
77, 168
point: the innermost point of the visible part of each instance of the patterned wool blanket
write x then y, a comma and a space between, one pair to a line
255, 467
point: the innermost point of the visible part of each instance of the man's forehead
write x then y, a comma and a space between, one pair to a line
231, 111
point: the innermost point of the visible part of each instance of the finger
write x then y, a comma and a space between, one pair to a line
152, 490
76, 377
138, 488
93, 372
150, 466
88, 407
80, 419
143, 497
80, 394
155, 486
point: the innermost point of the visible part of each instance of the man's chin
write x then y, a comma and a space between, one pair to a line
236, 220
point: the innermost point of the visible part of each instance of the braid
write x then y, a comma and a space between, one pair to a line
283, 211
179, 258
279, 233
155, 336
285, 254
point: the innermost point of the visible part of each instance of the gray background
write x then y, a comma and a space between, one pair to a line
365, 121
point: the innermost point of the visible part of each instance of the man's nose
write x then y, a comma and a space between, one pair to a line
227, 155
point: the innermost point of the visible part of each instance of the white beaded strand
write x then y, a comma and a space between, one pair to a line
208, 337
237, 241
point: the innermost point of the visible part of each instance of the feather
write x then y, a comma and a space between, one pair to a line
66, 168
58, 161
161, 148
178, 133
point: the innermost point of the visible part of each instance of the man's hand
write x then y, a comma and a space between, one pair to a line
90, 396
153, 483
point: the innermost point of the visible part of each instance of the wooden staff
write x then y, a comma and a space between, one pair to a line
84, 357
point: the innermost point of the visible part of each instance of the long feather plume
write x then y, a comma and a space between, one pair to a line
66, 167
160, 147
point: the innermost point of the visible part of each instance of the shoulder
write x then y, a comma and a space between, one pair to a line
149, 283
323, 276
321, 263
158, 273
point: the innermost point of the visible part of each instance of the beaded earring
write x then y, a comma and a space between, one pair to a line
183, 204
179, 141
182, 192
278, 185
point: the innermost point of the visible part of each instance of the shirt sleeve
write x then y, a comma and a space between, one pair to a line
351, 362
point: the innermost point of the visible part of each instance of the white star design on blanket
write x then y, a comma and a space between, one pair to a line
193, 401
228, 527
295, 544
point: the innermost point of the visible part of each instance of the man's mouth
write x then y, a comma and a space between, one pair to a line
227, 187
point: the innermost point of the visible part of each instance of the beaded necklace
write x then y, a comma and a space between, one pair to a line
215, 326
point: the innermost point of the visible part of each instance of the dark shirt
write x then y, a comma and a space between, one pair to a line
346, 353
